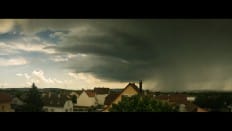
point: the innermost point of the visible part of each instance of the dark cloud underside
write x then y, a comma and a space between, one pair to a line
176, 53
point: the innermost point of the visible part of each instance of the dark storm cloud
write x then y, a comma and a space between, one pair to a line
178, 54
113, 68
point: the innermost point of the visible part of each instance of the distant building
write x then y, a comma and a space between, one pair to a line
101, 94
201, 110
17, 104
5, 102
75, 93
191, 98
182, 101
87, 99
130, 90
17, 101
110, 98
57, 103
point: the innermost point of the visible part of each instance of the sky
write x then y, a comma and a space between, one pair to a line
167, 54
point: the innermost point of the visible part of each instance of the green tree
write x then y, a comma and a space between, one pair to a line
214, 101
74, 99
33, 100
139, 103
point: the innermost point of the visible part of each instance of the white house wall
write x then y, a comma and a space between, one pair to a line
101, 99
68, 106
85, 100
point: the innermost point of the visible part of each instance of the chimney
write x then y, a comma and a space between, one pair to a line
140, 86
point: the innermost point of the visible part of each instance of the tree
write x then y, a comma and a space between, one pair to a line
139, 103
33, 100
214, 101
74, 99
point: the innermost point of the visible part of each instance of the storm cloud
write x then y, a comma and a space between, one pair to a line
176, 54
167, 54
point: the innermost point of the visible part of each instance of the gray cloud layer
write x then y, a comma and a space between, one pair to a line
176, 54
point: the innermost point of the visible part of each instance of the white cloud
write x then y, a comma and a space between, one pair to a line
73, 75
34, 47
72, 55
6, 25
15, 47
86, 80
38, 76
92, 81
4, 84
13, 61
58, 34
25, 75
65, 57
83, 77
59, 59
30, 26
58, 81
19, 74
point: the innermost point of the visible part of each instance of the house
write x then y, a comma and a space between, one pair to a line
201, 110
17, 101
87, 99
110, 98
5, 102
75, 93
191, 98
57, 103
101, 94
17, 104
130, 90
182, 101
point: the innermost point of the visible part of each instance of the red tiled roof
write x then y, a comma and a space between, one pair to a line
101, 90
5, 97
110, 98
176, 98
54, 100
133, 86
90, 93
109, 102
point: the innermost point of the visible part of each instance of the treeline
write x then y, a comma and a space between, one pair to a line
214, 101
